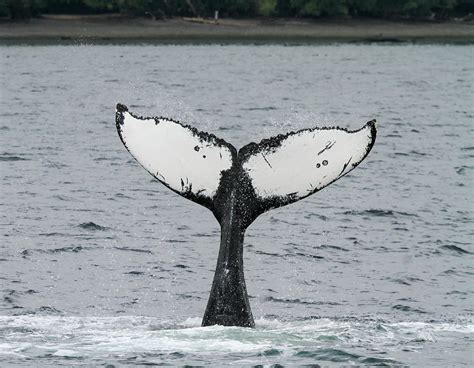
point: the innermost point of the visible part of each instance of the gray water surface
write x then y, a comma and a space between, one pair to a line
100, 264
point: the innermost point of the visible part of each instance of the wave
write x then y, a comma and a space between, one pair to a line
68, 249
379, 213
298, 301
138, 250
11, 157
407, 308
92, 226
455, 249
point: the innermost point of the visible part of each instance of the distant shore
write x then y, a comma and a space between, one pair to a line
117, 29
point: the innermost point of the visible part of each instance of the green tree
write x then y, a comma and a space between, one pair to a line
101, 5
267, 8
159, 8
464, 6
317, 8
232, 7
18, 9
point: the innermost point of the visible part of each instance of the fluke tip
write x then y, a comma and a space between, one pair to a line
121, 108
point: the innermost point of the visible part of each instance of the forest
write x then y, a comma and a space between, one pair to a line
158, 9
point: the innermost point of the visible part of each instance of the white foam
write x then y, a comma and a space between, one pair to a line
467, 328
102, 336
67, 353
191, 322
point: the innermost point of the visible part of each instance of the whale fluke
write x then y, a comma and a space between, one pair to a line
238, 186
290, 167
187, 161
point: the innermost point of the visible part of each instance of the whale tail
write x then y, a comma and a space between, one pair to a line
277, 171
238, 186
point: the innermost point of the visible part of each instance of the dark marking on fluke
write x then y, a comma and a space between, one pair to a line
235, 205
328, 146
345, 165
268, 163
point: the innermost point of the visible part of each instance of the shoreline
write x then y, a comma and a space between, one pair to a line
117, 29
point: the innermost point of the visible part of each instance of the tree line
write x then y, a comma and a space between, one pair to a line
389, 9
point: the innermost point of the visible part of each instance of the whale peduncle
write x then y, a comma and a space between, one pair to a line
228, 303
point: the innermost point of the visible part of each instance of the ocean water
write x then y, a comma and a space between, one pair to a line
102, 266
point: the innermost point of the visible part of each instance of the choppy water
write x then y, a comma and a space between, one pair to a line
99, 265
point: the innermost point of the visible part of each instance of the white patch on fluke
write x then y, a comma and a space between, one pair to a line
307, 161
175, 155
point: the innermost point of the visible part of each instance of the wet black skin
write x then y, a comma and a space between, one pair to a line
235, 207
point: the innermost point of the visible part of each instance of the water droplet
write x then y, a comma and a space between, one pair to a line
196, 148
325, 162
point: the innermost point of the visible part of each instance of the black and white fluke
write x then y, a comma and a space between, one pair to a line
239, 185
